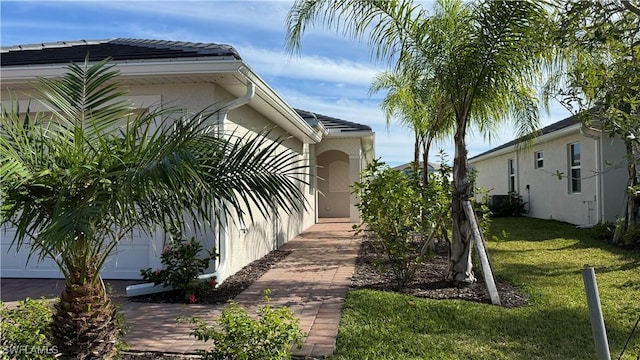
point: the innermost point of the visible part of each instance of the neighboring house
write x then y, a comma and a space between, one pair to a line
570, 173
407, 169
194, 76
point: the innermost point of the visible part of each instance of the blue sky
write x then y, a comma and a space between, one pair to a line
330, 76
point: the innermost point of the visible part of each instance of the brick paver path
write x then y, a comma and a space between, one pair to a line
312, 282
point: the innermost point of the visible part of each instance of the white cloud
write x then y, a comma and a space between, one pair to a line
265, 15
269, 62
331, 76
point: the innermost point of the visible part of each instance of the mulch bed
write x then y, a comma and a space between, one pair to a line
429, 283
226, 291
430, 279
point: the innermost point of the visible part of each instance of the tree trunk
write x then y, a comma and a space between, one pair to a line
426, 144
85, 324
425, 162
460, 265
631, 217
416, 156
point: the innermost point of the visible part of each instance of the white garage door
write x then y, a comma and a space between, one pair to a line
132, 254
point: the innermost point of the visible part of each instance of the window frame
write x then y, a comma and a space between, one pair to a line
574, 165
511, 175
538, 161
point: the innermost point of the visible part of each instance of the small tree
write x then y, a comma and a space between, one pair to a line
601, 47
402, 223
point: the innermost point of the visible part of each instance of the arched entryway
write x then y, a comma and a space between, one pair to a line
333, 184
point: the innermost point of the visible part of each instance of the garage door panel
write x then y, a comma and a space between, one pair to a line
131, 255
137, 251
11, 259
14, 264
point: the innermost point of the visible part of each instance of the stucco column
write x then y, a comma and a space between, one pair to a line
312, 179
354, 175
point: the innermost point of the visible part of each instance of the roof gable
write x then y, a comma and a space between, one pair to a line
117, 49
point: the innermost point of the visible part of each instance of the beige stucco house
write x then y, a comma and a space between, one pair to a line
407, 168
570, 173
194, 76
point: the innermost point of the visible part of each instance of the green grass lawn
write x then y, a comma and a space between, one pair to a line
544, 259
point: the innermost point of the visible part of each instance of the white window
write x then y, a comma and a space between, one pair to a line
512, 175
575, 185
539, 159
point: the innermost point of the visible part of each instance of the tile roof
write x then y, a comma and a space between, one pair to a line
565, 123
142, 49
330, 123
117, 49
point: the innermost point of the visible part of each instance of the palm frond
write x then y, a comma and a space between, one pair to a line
73, 185
389, 26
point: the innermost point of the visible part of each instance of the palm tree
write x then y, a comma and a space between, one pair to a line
415, 102
485, 57
76, 182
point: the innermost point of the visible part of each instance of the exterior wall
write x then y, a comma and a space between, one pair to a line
614, 177
333, 184
193, 97
248, 241
546, 190
259, 236
358, 158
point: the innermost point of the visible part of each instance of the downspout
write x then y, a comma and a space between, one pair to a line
598, 196
223, 236
236, 103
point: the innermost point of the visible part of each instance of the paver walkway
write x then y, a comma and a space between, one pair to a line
312, 282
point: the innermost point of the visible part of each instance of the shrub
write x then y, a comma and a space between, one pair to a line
404, 217
182, 265
604, 231
26, 331
480, 203
507, 205
238, 336
631, 237
626, 236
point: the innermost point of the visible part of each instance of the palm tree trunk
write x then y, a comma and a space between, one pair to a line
416, 150
415, 167
460, 265
425, 162
85, 322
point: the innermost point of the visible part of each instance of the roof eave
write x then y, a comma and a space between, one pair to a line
575, 128
322, 129
18, 74
193, 66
